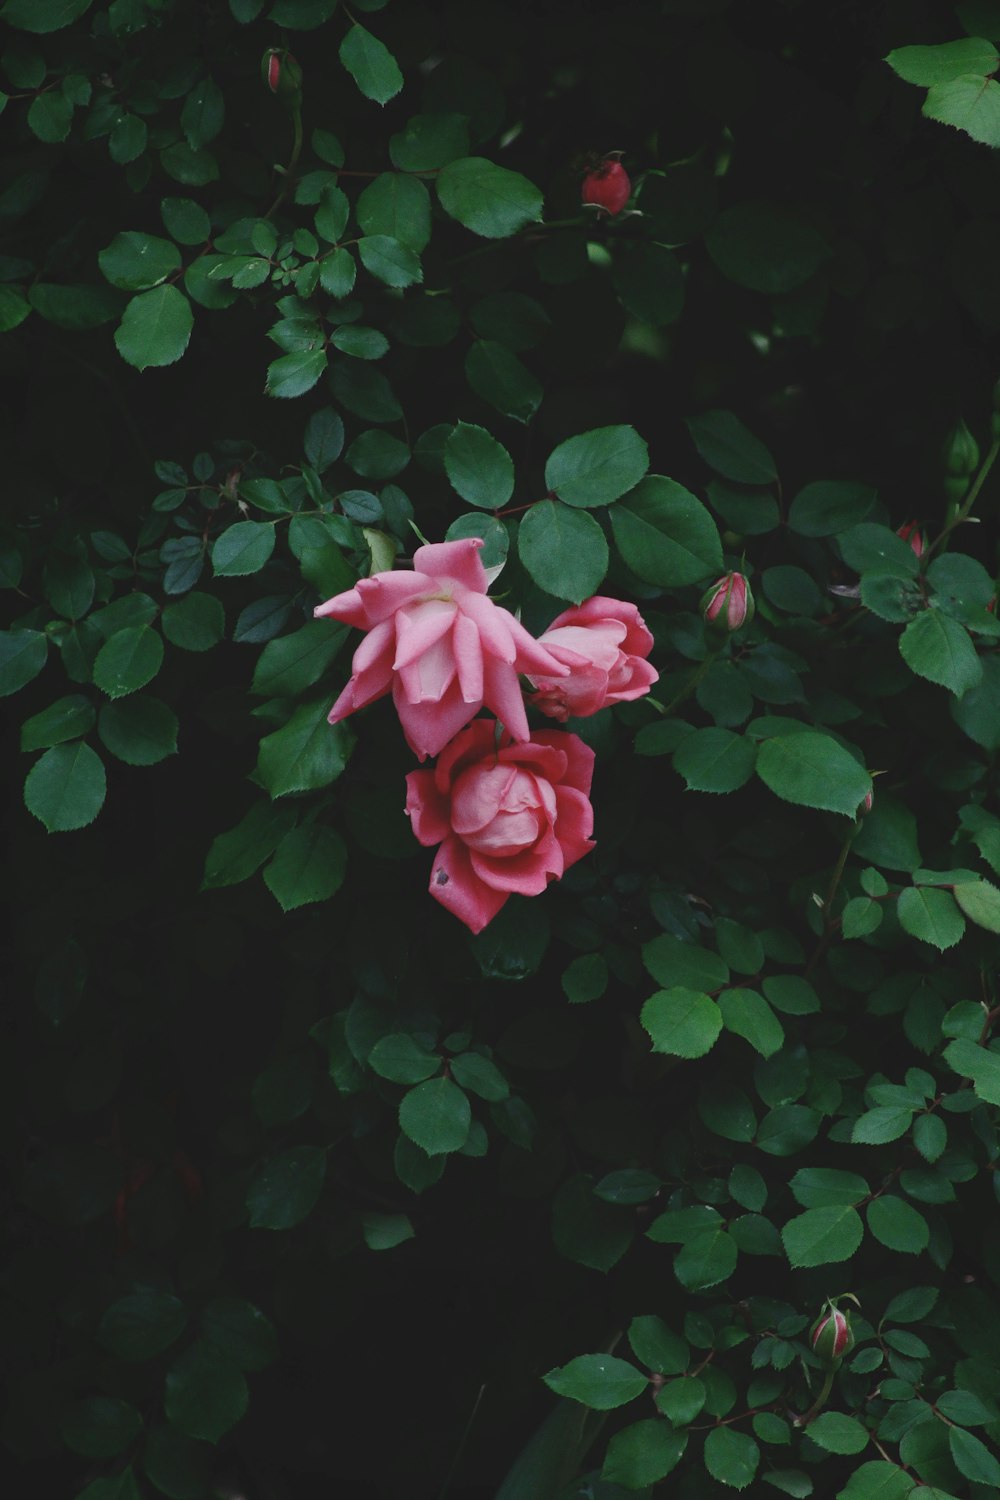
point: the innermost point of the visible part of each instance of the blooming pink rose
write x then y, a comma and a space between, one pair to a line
509, 817
440, 644
604, 643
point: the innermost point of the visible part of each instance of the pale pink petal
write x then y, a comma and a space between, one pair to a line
346, 607
469, 658
427, 679
458, 888
477, 795
426, 808
384, 593
633, 681
502, 696
531, 657
598, 643
429, 726
493, 624
579, 770
543, 755
419, 626
458, 560
580, 695
344, 705
528, 874
574, 823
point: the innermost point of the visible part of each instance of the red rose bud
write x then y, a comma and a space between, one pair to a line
961, 452
607, 186
281, 73
866, 805
911, 533
831, 1337
728, 604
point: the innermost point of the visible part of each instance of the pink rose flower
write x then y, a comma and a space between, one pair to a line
508, 817
440, 644
604, 643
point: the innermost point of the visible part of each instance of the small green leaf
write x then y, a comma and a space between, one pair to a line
812, 770
682, 1022
643, 1454
973, 1458
838, 1433
597, 467
500, 378
940, 649
877, 1127
135, 261
65, 789
479, 468
142, 1324
927, 66
827, 507
285, 1189
155, 328
436, 1116
665, 535
195, 623
599, 1381
294, 374
242, 549
305, 754
240, 1332
128, 660
22, 656
205, 1394
492, 201
930, 914
389, 261
292, 663
724, 442
898, 1225
706, 1260
731, 1457
428, 142
371, 65
980, 901
309, 865
43, 16
978, 1063
141, 731
877, 1481
747, 1014
403, 1059
827, 1187
563, 550
100, 1426
823, 1235
67, 719
656, 1347
235, 855
715, 760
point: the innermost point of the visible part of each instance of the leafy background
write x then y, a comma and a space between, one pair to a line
307, 1187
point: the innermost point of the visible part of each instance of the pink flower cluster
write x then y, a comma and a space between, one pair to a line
509, 808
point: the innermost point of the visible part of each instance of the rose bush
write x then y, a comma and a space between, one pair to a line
509, 817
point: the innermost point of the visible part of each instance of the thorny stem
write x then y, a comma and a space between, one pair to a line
966, 506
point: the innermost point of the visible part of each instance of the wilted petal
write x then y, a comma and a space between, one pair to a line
457, 886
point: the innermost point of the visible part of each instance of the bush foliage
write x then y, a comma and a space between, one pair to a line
314, 1191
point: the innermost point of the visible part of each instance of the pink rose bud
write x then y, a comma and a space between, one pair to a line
282, 74
831, 1337
441, 646
867, 804
604, 643
509, 817
728, 604
911, 533
607, 186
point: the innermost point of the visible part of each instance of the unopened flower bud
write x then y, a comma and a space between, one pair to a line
867, 804
961, 452
910, 532
607, 186
728, 604
831, 1337
282, 74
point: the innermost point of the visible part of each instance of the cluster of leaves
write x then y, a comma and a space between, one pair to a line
739, 1059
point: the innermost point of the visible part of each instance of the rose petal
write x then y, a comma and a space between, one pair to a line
598, 643
346, 607
419, 626
426, 808
458, 888
493, 624
384, 593
574, 824
427, 679
579, 772
474, 742
527, 874
502, 696
429, 726
455, 560
469, 658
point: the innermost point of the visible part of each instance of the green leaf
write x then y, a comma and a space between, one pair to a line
179, 1467
585, 979
285, 1189
375, 455
22, 656
706, 1260
234, 856
362, 343
186, 221
499, 377
939, 648
386, 1231
870, 548
827, 507
827, 1187
398, 206
203, 114
747, 1014
403, 1059
205, 1395
14, 308
74, 307
730, 449
100, 1426
492, 201
195, 623
131, 658
879, 1126
141, 731
682, 1022
305, 754
65, 789
309, 865
764, 247
930, 914
371, 65
822, 1235
973, 1458
389, 261
294, 374
811, 769
436, 1116
898, 1225
240, 1333
324, 438
644, 1453
944, 62
476, 1073
630, 1185
980, 901
682, 1400
930, 1136
563, 550
67, 719
877, 1481
42, 16
598, 467
155, 328
135, 261
838, 1433
978, 1063
649, 281
427, 142
715, 760
338, 272
671, 962
50, 117
665, 535
731, 1457
586, 1228
242, 549
478, 467
656, 1347
599, 1381
292, 663
143, 1324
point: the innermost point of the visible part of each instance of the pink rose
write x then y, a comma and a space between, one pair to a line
604, 644
509, 817
440, 644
